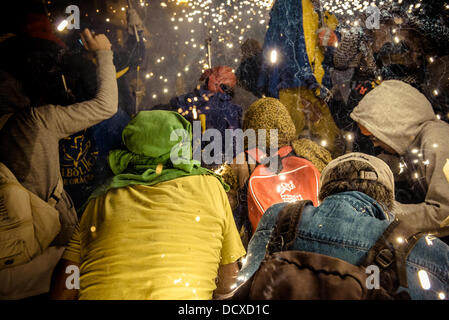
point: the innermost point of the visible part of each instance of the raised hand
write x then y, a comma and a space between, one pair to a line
95, 42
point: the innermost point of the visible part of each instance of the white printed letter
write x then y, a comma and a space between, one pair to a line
373, 280
74, 18
72, 281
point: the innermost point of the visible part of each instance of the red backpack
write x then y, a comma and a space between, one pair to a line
297, 179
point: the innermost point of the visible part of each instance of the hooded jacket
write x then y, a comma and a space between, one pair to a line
400, 116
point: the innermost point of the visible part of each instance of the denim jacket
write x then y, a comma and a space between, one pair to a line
346, 226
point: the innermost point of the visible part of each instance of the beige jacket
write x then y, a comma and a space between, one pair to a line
400, 116
29, 147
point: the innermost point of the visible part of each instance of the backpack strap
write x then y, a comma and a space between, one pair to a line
249, 167
257, 154
282, 153
286, 152
262, 158
286, 228
390, 253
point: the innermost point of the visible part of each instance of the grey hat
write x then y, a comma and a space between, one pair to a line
382, 172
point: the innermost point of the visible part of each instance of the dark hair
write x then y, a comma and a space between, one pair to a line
36, 64
340, 180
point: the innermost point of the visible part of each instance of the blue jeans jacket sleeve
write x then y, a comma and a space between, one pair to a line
346, 226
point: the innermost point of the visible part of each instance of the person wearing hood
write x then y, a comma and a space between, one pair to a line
365, 57
400, 120
162, 228
268, 114
29, 147
356, 198
211, 103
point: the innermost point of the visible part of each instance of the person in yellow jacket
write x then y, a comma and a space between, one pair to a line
160, 229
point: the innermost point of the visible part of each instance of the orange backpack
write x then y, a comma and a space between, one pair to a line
297, 179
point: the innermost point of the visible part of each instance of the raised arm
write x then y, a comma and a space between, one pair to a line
65, 121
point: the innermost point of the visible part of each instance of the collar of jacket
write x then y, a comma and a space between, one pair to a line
355, 201
212, 95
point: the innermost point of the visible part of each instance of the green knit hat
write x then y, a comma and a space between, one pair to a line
150, 138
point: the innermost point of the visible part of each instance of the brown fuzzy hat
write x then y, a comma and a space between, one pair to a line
270, 113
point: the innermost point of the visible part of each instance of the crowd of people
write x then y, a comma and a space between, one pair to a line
98, 201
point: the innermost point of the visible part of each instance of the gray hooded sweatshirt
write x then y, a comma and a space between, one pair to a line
29, 140
400, 116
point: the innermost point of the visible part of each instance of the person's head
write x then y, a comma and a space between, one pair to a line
154, 137
359, 172
394, 114
250, 48
37, 64
37, 25
220, 79
150, 133
397, 43
268, 114
376, 142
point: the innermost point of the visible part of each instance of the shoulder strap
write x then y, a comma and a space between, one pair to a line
391, 250
285, 230
247, 164
257, 154
286, 152
262, 158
